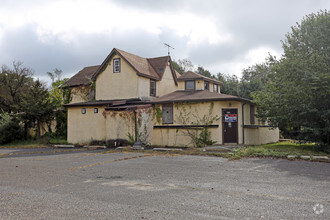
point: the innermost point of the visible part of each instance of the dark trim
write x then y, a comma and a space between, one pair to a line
203, 100
185, 126
185, 85
114, 65
150, 89
237, 125
243, 123
257, 126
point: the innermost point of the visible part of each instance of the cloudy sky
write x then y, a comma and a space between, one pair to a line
220, 35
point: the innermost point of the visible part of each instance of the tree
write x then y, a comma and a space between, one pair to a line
183, 65
56, 76
229, 84
297, 96
14, 82
255, 77
204, 72
38, 105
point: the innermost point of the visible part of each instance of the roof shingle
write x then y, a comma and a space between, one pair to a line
195, 76
195, 96
83, 77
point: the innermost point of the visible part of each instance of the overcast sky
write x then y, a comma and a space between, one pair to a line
221, 35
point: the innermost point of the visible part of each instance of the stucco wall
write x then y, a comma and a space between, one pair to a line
82, 128
177, 137
167, 84
118, 127
122, 85
261, 135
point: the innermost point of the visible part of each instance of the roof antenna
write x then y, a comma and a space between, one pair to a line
168, 48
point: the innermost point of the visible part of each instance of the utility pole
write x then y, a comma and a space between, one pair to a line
168, 48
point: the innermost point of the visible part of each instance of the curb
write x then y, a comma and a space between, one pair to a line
307, 157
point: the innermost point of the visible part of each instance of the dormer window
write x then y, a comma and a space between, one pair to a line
215, 88
190, 84
116, 65
206, 85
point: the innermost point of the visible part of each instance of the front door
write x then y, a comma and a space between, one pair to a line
229, 126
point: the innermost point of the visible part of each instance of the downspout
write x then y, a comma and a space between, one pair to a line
243, 122
135, 126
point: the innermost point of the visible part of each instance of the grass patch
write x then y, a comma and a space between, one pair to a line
281, 149
31, 143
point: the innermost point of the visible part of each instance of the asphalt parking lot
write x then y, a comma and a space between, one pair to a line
96, 184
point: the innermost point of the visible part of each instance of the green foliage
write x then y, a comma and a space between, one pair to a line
10, 130
38, 105
297, 96
200, 135
183, 65
14, 83
131, 139
204, 72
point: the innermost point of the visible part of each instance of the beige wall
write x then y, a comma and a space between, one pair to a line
118, 127
177, 137
167, 84
123, 85
199, 85
261, 135
82, 128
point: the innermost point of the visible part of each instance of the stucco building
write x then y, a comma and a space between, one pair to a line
134, 98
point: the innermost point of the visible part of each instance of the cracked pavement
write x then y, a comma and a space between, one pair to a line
96, 184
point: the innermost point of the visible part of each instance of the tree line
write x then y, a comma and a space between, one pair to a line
292, 92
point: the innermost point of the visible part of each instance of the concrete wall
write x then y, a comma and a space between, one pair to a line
167, 84
122, 85
82, 128
191, 112
261, 135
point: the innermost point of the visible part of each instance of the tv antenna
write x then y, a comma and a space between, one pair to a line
168, 48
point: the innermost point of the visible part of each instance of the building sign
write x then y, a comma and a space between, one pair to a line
230, 117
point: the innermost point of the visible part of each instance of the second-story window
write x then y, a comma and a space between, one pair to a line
206, 85
190, 84
153, 88
215, 88
252, 121
116, 65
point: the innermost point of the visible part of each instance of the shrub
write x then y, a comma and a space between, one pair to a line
10, 130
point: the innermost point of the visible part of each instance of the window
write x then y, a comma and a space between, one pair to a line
116, 65
215, 88
206, 85
190, 84
96, 110
252, 115
83, 111
153, 88
167, 114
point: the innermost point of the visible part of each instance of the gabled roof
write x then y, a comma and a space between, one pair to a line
195, 76
152, 68
195, 96
83, 77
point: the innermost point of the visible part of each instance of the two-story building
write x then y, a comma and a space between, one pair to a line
134, 98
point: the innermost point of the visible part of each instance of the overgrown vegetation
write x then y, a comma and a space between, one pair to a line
200, 135
25, 102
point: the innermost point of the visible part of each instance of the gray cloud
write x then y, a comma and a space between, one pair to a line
252, 24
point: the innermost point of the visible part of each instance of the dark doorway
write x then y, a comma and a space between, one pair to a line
229, 126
